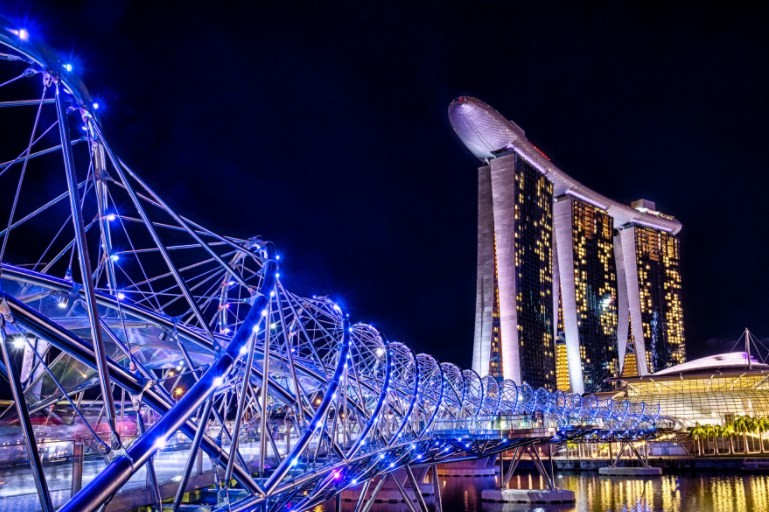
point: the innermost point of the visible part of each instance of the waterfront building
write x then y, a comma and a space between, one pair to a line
557, 257
654, 291
709, 390
588, 286
514, 310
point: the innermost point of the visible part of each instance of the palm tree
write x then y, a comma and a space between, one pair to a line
742, 425
697, 432
761, 427
710, 431
751, 424
727, 432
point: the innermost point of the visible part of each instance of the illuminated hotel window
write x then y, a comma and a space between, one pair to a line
595, 285
659, 280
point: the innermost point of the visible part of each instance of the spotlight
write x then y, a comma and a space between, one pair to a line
62, 302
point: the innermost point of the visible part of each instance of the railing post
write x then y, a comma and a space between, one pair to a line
77, 466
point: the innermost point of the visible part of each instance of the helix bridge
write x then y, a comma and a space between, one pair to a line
144, 355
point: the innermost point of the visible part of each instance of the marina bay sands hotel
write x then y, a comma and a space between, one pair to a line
573, 287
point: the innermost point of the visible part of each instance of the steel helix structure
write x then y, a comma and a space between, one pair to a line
156, 356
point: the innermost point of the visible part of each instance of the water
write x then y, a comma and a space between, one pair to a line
699, 492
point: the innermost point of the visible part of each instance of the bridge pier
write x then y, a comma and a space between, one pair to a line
405, 485
550, 494
644, 470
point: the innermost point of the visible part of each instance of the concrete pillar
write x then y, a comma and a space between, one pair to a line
503, 193
562, 220
485, 274
628, 253
623, 311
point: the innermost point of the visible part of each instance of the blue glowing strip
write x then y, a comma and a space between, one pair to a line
429, 423
120, 469
375, 414
320, 413
81, 351
414, 396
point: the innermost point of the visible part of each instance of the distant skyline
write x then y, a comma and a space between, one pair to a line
324, 129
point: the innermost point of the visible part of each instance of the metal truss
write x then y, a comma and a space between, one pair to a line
148, 356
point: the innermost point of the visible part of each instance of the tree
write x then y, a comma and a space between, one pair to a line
727, 432
761, 427
697, 433
711, 432
743, 425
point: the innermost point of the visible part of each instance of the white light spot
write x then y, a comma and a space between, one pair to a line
120, 296
67, 67
23, 34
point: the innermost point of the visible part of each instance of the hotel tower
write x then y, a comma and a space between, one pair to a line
572, 287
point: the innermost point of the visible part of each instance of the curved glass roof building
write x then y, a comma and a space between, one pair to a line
559, 263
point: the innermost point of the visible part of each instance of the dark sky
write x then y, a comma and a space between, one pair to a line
324, 129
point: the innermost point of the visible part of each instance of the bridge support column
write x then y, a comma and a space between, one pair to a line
643, 470
550, 494
401, 486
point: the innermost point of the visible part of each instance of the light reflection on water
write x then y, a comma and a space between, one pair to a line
703, 492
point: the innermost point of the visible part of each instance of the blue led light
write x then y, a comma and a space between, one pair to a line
95, 105
23, 34
67, 67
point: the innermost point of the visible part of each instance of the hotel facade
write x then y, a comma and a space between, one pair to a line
568, 280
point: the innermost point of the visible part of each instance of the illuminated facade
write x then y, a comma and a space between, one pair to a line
656, 310
514, 312
561, 366
555, 257
588, 282
710, 390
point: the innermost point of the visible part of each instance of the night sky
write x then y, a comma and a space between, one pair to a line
324, 128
